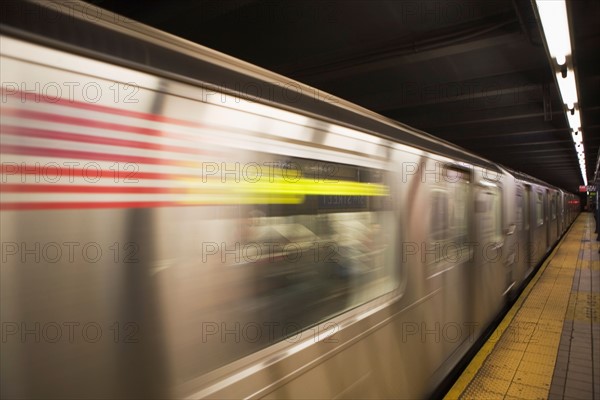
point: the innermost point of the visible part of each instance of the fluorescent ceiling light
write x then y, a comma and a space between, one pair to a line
567, 88
574, 120
555, 24
553, 14
577, 137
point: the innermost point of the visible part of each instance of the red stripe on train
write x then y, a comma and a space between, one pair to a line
85, 138
92, 188
88, 155
37, 98
88, 205
89, 123
54, 172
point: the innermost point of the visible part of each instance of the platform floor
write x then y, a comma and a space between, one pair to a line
548, 344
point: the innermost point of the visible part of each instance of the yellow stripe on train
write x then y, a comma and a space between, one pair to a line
277, 190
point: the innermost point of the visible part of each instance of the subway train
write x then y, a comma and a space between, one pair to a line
177, 223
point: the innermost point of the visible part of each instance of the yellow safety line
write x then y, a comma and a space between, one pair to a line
474, 366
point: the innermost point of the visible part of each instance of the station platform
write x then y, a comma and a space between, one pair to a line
548, 344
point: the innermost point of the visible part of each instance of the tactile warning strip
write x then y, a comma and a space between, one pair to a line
518, 361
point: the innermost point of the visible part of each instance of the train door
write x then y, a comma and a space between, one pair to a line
489, 279
558, 213
561, 212
550, 214
528, 228
539, 230
548, 217
521, 261
556, 216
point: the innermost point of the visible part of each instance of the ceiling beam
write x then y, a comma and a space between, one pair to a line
495, 145
451, 92
388, 58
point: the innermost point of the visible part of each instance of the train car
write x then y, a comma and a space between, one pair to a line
177, 223
542, 217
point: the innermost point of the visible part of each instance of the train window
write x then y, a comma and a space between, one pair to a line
347, 212
553, 206
315, 239
539, 209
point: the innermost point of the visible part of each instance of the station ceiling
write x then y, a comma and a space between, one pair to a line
472, 72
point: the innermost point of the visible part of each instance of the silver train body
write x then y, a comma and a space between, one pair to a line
166, 234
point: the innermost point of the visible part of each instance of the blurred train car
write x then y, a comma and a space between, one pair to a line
177, 223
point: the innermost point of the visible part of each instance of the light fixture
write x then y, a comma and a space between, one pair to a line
574, 120
553, 14
567, 87
555, 27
